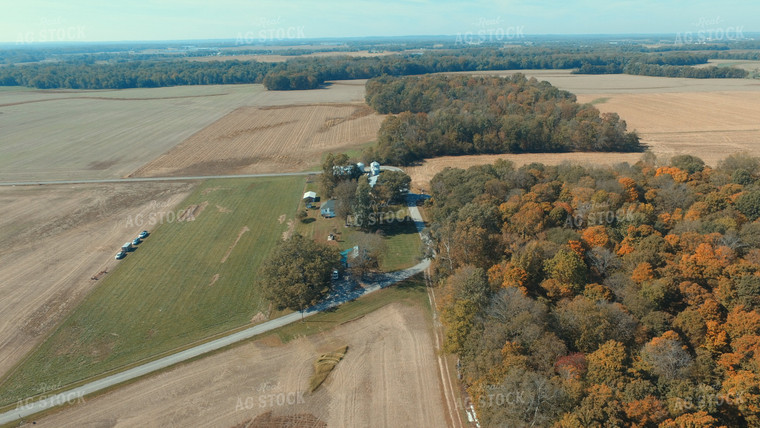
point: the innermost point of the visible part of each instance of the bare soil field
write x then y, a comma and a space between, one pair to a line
709, 118
268, 139
388, 377
64, 134
55, 240
710, 125
743, 64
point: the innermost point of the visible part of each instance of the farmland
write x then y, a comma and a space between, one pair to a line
55, 239
53, 135
709, 118
388, 377
187, 281
268, 139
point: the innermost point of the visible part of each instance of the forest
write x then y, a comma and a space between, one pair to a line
603, 296
123, 69
458, 115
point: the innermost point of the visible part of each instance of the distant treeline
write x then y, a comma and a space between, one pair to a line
458, 115
671, 65
137, 74
311, 72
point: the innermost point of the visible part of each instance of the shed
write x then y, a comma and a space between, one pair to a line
310, 195
328, 209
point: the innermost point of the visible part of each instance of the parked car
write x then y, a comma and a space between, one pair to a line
120, 255
144, 234
136, 241
335, 275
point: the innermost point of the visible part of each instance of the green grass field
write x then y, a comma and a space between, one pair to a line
163, 295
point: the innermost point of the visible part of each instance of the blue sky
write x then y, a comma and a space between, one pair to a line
102, 20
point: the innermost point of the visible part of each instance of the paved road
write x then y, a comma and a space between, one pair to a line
338, 298
346, 293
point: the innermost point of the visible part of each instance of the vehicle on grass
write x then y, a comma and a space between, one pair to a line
144, 234
120, 255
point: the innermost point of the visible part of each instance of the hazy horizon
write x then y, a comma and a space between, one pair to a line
40, 21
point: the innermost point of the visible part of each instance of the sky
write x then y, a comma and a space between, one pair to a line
34, 21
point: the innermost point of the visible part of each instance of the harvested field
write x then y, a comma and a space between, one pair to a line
389, 377
55, 239
68, 134
710, 125
709, 118
267, 139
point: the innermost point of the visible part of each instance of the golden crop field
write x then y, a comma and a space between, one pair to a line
268, 139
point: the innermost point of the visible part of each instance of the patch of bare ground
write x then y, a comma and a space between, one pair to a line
56, 239
388, 378
710, 125
268, 139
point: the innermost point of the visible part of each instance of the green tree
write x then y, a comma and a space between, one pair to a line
297, 273
396, 184
329, 179
749, 204
363, 206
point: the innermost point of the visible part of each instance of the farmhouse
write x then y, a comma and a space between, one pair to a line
328, 209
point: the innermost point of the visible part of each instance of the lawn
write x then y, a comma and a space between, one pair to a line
187, 281
402, 242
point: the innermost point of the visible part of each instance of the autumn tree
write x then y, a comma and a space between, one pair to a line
464, 296
344, 194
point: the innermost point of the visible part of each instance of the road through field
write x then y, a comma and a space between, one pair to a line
341, 295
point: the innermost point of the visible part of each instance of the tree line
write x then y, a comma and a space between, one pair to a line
625, 296
457, 115
126, 70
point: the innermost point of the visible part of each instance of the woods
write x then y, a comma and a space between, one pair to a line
642, 311
459, 115
118, 68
